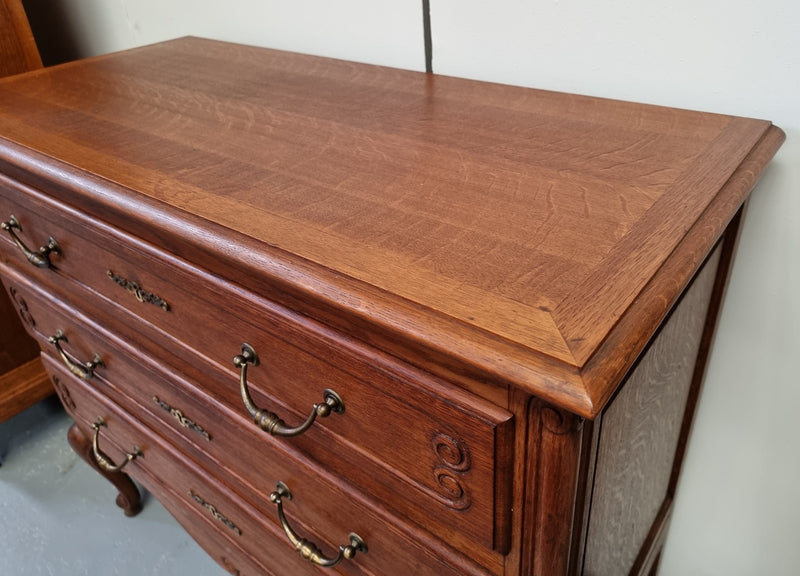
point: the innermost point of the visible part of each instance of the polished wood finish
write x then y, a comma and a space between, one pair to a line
608, 212
250, 522
22, 387
16, 348
23, 381
231, 441
18, 52
513, 291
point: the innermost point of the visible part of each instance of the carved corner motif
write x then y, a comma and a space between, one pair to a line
555, 421
22, 308
454, 462
229, 566
554, 440
63, 394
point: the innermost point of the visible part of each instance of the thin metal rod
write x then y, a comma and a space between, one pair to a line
426, 29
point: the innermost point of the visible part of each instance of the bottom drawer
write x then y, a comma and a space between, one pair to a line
205, 533
186, 489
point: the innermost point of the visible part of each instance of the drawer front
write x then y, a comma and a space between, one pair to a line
203, 528
453, 455
165, 472
213, 426
322, 509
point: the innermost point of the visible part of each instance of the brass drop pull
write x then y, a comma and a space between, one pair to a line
309, 550
269, 421
82, 371
102, 460
40, 258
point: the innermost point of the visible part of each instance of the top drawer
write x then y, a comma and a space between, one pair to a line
415, 442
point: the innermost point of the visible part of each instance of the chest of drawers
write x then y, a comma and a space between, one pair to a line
348, 318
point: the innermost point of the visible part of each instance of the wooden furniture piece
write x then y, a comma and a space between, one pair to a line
18, 52
23, 381
397, 323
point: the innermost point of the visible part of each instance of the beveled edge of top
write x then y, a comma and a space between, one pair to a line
442, 344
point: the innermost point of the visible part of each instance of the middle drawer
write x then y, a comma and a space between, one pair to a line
433, 452
212, 423
321, 508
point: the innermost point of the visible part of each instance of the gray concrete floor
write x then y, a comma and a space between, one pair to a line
58, 516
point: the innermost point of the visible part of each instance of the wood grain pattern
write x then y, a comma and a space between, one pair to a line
323, 508
555, 440
18, 52
497, 214
16, 348
513, 291
23, 387
728, 245
639, 435
23, 381
617, 353
434, 456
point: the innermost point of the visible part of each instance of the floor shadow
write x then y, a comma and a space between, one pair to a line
26, 425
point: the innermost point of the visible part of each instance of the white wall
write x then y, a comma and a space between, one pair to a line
383, 32
738, 507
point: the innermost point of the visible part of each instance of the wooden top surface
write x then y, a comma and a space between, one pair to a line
503, 217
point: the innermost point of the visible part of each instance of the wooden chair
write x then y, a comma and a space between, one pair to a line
23, 381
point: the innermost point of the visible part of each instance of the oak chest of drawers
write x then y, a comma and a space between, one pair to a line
348, 318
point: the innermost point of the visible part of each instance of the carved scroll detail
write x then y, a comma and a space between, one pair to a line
554, 440
22, 308
454, 462
558, 422
63, 394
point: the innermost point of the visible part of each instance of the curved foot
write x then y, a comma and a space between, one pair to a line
128, 498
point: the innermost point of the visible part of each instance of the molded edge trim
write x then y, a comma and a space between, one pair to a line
440, 344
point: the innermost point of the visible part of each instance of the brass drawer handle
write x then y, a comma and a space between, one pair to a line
40, 258
82, 371
309, 550
103, 460
269, 421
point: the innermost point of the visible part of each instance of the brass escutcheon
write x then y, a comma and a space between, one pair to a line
138, 292
182, 420
215, 513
